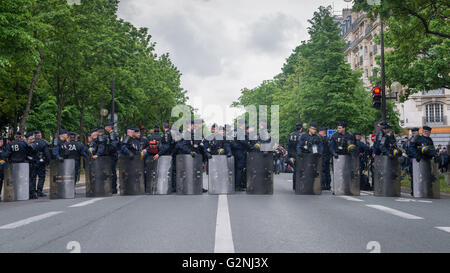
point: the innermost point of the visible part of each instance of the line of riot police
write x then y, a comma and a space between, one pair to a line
239, 160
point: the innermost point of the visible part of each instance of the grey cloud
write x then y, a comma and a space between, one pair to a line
270, 33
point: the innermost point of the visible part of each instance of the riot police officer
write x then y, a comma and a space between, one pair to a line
113, 141
388, 143
423, 146
75, 150
18, 151
342, 142
154, 142
130, 145
309, 142
292, 148
216, 143
43, 159
32, 160
378, 137
192, 143
239, 146
364, 153
139, 135
59, 149
165, 147
326, 177
411, 154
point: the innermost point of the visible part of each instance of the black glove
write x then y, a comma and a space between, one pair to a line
229, 155
418, 159
208, 155
336, 156
193, 154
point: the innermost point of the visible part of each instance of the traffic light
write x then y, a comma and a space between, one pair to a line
376, 97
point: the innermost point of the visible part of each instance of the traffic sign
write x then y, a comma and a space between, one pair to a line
330, 133
372, 138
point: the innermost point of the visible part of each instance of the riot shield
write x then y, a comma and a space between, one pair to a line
426, 179
386, 176
189, 174
308, 172
259, 173
221, 175
16, 182
346, 175
62, 179
98, 174
131, 175
159, 175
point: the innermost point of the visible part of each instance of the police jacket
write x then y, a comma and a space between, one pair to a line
422, 147
340, 143
18, 151
325, 145
309, 144
293, 141
43, 153
75, 150
387, 144
130, 146
216, 143
113, 143
167, 144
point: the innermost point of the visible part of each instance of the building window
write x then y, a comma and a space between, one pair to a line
360, 60
365, 49
434, 113
375, 49
367, 73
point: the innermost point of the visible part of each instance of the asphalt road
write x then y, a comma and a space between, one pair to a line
283, 222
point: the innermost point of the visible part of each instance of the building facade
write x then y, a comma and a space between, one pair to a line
430, 108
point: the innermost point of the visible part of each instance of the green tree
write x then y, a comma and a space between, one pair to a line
418, 32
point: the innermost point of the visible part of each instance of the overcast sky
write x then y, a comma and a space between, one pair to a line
222, 46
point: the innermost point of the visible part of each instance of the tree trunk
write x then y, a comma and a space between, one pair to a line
82, 136
30, 92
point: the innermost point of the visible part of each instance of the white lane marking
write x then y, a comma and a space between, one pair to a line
349, 198
395, 212
30, 220
224, 237
412, 200
85, 203
366, 193
363, 194
447, 229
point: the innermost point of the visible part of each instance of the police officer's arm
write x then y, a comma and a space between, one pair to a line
227, 148
82, 150
7, 152
55, 151
300, 143
412, 150
184, 147
332, 145
46, 151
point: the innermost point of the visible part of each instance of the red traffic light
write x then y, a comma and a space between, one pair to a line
376, 90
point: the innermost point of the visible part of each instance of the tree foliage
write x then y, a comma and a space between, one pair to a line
87, 53
418, 32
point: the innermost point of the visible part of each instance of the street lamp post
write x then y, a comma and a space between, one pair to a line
383, 76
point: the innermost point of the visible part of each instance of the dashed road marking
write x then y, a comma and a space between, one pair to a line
30, 220
447, 229
349, 198
85, 203
412, 200
395, 212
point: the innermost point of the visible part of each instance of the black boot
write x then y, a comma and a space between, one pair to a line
41, 194
33, 195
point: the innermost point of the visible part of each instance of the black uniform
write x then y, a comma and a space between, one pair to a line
294, 138
340, 143
113, 149
75, 150
43, 159
326, 176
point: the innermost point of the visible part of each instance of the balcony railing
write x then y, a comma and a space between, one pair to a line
435, 92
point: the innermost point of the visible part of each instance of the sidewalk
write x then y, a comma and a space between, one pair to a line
442, 194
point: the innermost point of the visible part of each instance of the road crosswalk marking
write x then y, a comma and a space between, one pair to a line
224, 237
30, 220
395, 212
